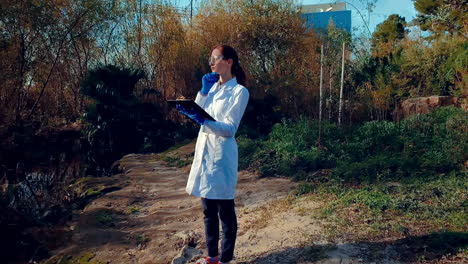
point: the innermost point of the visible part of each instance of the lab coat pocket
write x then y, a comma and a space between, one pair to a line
219, 149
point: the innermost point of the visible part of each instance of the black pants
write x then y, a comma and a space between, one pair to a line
226, 212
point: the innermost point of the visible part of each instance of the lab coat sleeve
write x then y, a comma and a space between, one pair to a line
201, 100
228, 126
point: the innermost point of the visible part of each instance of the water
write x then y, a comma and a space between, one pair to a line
45, 190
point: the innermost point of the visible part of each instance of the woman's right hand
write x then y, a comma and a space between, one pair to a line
207, 82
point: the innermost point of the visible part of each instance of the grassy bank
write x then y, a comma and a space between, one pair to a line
404, 183
422, 146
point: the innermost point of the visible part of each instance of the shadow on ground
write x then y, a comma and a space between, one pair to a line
407, 250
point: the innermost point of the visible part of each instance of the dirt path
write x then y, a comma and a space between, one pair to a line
149, 218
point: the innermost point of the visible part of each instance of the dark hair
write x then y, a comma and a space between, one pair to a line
229, 52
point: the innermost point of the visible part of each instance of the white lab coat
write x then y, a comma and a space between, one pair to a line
214, 169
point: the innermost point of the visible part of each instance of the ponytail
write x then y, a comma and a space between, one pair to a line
239, 73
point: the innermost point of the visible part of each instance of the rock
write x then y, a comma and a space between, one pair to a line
423, 105
189, 238
187, 254
117, 168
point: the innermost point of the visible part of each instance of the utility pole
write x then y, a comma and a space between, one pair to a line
330, 90
342, 84
321, 92
321, 82
191, 11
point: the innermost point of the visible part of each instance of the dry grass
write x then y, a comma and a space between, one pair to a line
262, 215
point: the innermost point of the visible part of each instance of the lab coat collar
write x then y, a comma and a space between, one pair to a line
229, 84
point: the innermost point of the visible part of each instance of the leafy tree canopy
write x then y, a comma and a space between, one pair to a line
392, 29
442, 16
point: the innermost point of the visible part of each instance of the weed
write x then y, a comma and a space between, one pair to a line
92, 191
83, 180
86, 258
176, 161
104, 218
264, 212
376, 211
134, 209
142, 239
304, 188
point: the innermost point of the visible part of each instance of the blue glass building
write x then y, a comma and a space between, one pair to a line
318, 17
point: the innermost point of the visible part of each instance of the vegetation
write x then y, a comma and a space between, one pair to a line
383, 181
117, 123
104, 218
419, 147
86, 258
380, 180
426, 219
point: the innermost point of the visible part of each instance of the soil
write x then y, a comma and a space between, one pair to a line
149, 218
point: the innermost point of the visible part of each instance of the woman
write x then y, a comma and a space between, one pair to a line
213, 175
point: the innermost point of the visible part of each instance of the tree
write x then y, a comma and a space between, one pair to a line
387, 35
442, 16
111, 127
435, 69
40, 40
277, 52
373, 77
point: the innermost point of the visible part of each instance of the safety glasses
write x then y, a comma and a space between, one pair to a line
213, 59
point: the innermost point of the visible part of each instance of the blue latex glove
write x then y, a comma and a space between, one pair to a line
207, 82
195, 116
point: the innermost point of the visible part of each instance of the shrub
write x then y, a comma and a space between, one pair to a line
292, 149
118, 123
247, 149
439, 140
421, 146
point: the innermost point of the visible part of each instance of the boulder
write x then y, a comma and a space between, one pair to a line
187, 255
188, 238
117, 168
423, 105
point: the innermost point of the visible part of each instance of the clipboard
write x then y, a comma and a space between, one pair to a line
190, 104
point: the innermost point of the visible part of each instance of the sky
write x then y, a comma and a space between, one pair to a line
382, 10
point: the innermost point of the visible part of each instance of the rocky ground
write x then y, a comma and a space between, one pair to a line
143, 215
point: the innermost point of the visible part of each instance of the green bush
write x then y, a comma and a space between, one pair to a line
291, 148
118, 123
247, 149
421, 146
439, 139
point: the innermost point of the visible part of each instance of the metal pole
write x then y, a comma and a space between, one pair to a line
321, 83
330, 90
191, 11
342, 84
321, 94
